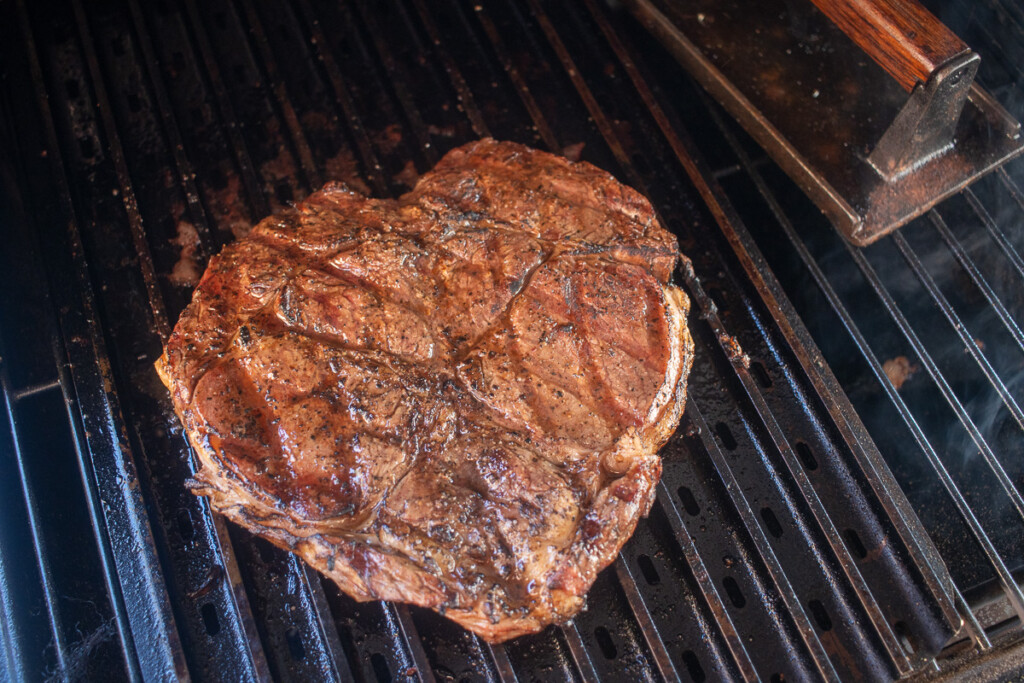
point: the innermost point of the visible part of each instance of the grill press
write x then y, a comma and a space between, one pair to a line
825, 91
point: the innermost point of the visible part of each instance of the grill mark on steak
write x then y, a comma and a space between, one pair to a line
596, 382
454, 399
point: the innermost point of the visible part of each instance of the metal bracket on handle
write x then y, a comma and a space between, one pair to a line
924, 128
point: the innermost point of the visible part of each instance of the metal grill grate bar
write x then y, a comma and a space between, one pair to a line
252, 645
523, 90
652, 636
709, 593
407, 627
799, 474
157, 306
976, 276
186, 172
958, 326
1011, 186
12, 640
60, 644
778, 576
994, 231
28, 392
594, 109
824, 522
450, 66
398, 81
974, 630
325, 620
277, 85
578, 649
1009, 585
250, 178
374, 174
502, 664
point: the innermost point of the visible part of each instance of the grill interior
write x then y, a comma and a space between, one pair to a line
798, 533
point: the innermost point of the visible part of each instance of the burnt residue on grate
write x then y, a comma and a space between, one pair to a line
145, 136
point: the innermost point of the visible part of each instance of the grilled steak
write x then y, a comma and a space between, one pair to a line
454, 399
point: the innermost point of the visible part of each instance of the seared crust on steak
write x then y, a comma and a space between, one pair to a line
454, 399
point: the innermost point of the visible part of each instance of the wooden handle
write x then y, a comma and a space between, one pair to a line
903, 37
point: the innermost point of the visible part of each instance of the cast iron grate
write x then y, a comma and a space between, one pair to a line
139, 138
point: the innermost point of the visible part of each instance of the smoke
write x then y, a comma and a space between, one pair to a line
994, 249
998, 427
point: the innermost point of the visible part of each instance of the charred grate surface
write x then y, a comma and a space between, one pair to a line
139, 138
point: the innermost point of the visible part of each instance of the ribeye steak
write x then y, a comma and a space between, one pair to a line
454, 399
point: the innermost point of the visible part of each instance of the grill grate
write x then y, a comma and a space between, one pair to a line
143, 137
